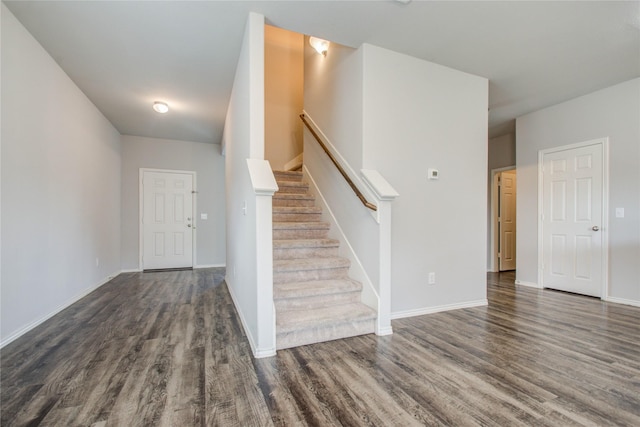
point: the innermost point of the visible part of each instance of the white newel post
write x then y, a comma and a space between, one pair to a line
264, 185
385, 195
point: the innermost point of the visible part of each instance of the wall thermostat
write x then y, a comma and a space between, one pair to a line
433, 174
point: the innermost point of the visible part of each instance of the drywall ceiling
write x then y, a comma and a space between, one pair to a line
125, 55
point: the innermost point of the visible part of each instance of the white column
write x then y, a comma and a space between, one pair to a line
264, 185
385, 194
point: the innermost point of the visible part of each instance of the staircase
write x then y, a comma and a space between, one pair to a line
314, 297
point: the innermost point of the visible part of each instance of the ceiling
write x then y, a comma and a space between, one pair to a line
126, 54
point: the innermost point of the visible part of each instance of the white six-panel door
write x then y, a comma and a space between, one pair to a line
572, 220
167, 220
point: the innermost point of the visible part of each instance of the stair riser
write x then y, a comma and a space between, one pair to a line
290, 183
308, 275
287, 177
292, 203
307, 303
290, 189
297, 217
327, 333
304, 253
300, 234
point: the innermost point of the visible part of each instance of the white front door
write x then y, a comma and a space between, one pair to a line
167, 220
572, 220
507, 221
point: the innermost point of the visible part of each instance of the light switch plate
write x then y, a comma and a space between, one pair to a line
619, 212
204, 216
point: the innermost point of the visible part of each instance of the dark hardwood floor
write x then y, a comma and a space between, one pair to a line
167, 349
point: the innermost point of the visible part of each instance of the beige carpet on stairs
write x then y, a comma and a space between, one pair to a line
314, 297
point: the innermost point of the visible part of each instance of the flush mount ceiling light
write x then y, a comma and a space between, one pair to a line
321, 46
160, 107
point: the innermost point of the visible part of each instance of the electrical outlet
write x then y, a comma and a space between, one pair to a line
432, 278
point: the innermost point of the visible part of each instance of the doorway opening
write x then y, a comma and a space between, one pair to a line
503, 219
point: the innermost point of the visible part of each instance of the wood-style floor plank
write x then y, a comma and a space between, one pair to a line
168, 349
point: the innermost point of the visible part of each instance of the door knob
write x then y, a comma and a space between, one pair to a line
188, 225
595, 228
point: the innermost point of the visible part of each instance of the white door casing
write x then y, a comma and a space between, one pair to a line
507, 221
167, 220
573, 226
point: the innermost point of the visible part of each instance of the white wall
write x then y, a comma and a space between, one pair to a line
420, 115
615, 113
400, 115
355, 220
61, 164
243, 138
333, 101
284, 74
333, 97
502, 154
206, 160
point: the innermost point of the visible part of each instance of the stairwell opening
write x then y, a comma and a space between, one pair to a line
284, 97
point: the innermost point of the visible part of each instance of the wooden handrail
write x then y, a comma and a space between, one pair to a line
335, 162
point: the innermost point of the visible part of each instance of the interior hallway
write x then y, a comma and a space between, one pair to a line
168, 349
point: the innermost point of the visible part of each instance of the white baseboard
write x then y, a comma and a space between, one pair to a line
528, 284
258, 353
384, 331
14, 336
294, 163
137, 270
623, 301
210, 265
437, 309
262, 353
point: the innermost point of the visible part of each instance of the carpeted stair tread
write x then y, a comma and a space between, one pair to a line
291, 183
305, 243
288, 175
282, 265
298, 225
324, 333
293, 196
297, 209
303, 248
293, 199
292, 187
315, 288
296, 214
295, 320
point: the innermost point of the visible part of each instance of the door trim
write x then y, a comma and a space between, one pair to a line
604, 143
141, 173
493, 226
